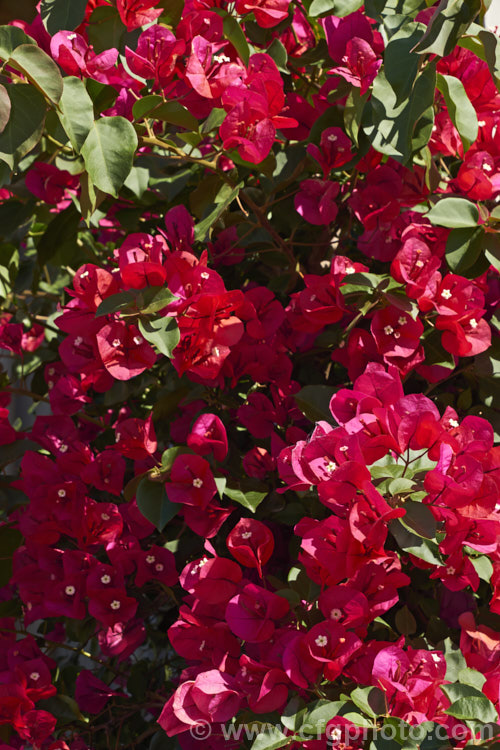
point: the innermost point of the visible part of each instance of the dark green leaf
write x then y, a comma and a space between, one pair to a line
463, 248
202, 228
450, 20
137, 181
5, 108
115, 303
214, 120
314, 402
163, 333
155, 108
249, 499
454, 213
293, 715
40, 69
270, 739
320, 712
153, 299
424, 549
277, 51
25, 126
400, 63
109, 151
419, 519
105, 29
371, 700
61, 15
233, 32
462, 113
10, 38
76, 111
405, 622
154, 504
61, 232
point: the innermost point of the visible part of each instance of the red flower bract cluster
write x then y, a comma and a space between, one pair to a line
249, 383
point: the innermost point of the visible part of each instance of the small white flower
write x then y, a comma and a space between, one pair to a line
105, 578
197, 482
350, 270
63, 448
487, 167
85, 273
159, 567
61, 493
453, 422
336, 614
388, 330
446, 294
402, 320
419, 263
105, 517
116, 343
35, 676
473, 323
70, 38
70, 590
321, 641
150, 559
450, 570
335, 734
115, 604
137, 340
397, 335
78, 341
205, 275
246, 535
330, 467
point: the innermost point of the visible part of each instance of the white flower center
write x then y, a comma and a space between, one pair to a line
321, 641
205, 275
246, 535
473, 323
105, 517
330, 467
419, 263
115, 604
336, 614
450, 570
78, 341
116, 343
34, 676
70, 590
85, 273
453, 422
61, 493
402, 320
106, 578
197, 482
159, 567
388, 330
332, 138
446, 293
63, 448
150, 559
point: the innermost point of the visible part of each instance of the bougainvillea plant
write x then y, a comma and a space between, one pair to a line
250, 375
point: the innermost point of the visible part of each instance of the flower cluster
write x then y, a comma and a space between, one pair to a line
249, 376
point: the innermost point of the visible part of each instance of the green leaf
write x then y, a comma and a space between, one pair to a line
61, 233
371, 700
405, 622
293, 713
473, 707
400, 62
483, 567
25, 126
214, 120
109, 151
115, 303
202, 228
61, 15
76, 111
424, 549
314, 402
450, 20
400, 486
163, 333
154, 298
462, 113
319, 714
339, 8
471, 677
154, 504
270, 739
277, 51
454, 213
168, 457
155, 108
10, 38
137, 181
463, 248
220, 483
105, 29
419, 519
234, 33
40, 69
455, 661
5, 108
250, 499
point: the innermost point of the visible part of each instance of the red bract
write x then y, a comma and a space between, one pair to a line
208, 435
251, 614
123, 350
268, 13
135, 13
251, 543
315, 201
155, 55
191, 482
